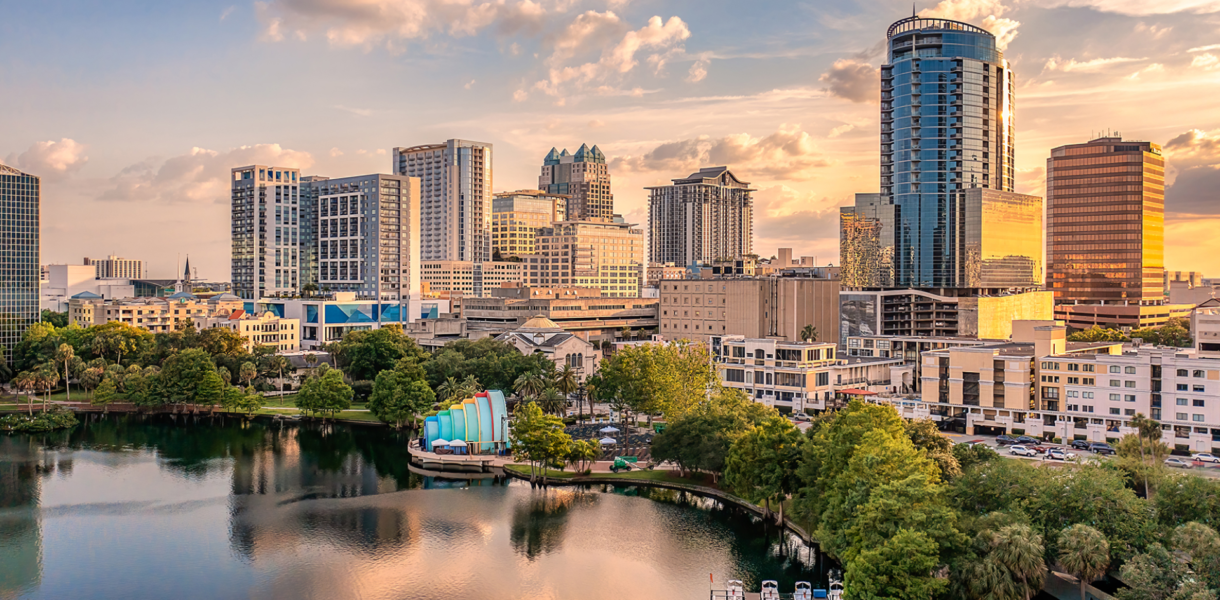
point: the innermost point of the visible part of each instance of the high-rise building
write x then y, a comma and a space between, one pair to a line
866, 258
517, 216
456, 183
367, 235
114, 267
1105, 234
20, 195
308, 245
265, 231
591, 254
584, 177
704, 217
947, 108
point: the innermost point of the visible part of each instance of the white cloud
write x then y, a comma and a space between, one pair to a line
1155, 31
840, 130
470, 84
1152, 68
853, 80
370, 23
790, 153
363, 112
335, 152
200, 175
1139, 8
1097, 64
1206, 61
51, 160
1205, 48
987, 13
226, 12
698, 70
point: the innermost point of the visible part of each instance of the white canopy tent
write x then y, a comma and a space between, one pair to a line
606, 441
608, 429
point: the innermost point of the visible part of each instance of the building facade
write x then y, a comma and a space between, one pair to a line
65, 281
947, 106
517, 216
308, 230
765, 307
327, 320
582, 311
865, 256
267, 330
910, 312
460, 278
1105, 212
367, 232
456, 202
20, 233
114, 267
584, 177
265, 231
540, 335
704, 217
156, 315
589, 254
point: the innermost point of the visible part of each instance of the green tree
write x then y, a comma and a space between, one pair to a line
1097, 334
398, 397
448, 389
1141, 455
1158, 575
91, 378
761, 465
901, 567
538, 438
48, 377
279, 364
182, 374
364, 354
551, 401
221, 341
925, 435
671, 379
211, 390
64, 355
247, 373
1185, 498
529, 385
701, 439
1201, 546
1019, 550
809, 334
55, 319
1083, 553
326, 394
105, 394
582, 453
566, 381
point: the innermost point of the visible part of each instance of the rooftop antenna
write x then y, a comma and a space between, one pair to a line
913, 15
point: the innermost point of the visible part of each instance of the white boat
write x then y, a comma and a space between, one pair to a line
736, 590
803, 591
836, 590
770, 590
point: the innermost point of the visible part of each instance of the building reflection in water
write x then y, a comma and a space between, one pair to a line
22, 468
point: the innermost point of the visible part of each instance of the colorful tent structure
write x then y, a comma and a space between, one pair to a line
481, 422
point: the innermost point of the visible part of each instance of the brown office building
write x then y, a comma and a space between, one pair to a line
1105, 238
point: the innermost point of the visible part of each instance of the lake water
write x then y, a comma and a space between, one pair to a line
152, 507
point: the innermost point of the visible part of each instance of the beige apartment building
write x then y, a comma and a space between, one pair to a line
590, 254
585, 312
517, 216
265, 330
458, 277
769, 307
158, 315
658, 272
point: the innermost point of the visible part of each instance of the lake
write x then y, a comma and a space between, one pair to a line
156, 507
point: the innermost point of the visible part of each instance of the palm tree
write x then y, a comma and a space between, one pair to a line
247, 372
566, 380
469, 387
1085, 553
447, 389
47, 376
1148, 432
279, 364
311, 359
809, 334
26, 381
1019, 550
528, 384
551, 401
64, 354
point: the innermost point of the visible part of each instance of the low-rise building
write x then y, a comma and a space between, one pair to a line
64, 281
327, 320
1120, 316
582, 311
658, 272
593, 254
778, 307
456, 277
158, 315
540, 335
262, 330
908, 312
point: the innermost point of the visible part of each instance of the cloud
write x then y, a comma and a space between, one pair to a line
1138, 8
789, 153
470, 83
852, 80
200, 175
840, 130
335, 152
1155, 31
1152, 68
986, 13
1193, 158
788, 218
362, 112
371, 23
51, 160
1205, 48
665, 37
1206, 61
226, 12
1097, 64
698, 70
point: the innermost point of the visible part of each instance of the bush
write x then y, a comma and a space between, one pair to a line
1058, 440
1016, 431
57, 418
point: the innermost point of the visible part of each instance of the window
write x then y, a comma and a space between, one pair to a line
1074, 380
1181, 401
1116, 397
1130, 370
1088, 395
1197, 418
1198, 403
1129, 384
1115, 383
1088, 368
1115, 369
1071, 394
1130, 412
1073, 367
1182, 373
1182, 387
1197, 373
1129, 397
1115, 411
1197, 388
1182, 416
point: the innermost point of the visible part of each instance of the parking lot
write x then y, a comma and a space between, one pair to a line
1204, 469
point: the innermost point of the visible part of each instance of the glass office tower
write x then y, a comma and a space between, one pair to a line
19, 259
946, 126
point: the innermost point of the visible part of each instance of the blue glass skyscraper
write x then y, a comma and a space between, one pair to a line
19, 258
946, 127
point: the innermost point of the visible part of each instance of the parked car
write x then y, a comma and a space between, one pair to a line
1040, 449
1181, 463
1205, 457
1060, 454
1080, 444
1022, 451
1101, 448
1005, 440
1028, 441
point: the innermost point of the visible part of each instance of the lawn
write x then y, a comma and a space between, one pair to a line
660, 476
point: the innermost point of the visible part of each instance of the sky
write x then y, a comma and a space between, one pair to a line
133, 112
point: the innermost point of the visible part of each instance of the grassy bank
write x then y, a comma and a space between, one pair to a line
660, 476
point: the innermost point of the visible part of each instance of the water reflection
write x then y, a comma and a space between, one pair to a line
200, 507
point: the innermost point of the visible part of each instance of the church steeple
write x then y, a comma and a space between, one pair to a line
186, 273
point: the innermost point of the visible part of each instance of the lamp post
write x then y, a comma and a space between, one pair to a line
580, 402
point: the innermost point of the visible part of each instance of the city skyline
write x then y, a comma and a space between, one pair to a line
139, 166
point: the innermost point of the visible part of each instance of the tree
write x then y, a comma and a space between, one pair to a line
326, 394
221, 341
279, 364
1019, 550
364, 354
48, 376
1083, 553
210, 391
1141, 455
701, 439
26, 381
1201, 545
105, 394
448, 389
671, 379
225, 375
529, 385
311, 360
64, 355
925, 435
182, 374
582, 453
566, 380
397, 397
761, 465
55, 319
551, 401
538, 438
1097, 334
91, 378
1157, 575
809, 334
76, 367
247, 373
901, 567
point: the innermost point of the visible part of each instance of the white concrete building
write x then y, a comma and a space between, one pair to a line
456, 199
65, 281
326, 320
265, 231
113, 267
541, 335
